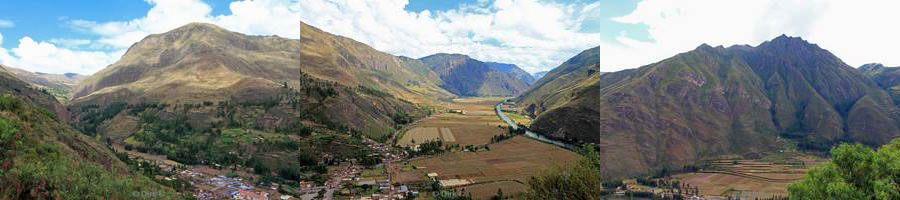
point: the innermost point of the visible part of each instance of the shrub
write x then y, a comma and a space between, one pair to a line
855, 172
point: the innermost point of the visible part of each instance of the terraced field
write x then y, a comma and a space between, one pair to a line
750, 178
507, 165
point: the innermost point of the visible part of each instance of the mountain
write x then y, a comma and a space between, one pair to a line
265, 82
512, 69
886, 77
555, 85
60, 85
465, 76
712, 101
540, 74
43, 158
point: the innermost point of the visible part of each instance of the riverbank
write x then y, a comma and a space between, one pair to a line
531, 134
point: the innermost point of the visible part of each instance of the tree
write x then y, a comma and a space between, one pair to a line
583, 180
578, 182
855, 172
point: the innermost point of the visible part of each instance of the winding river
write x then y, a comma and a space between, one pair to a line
530, 133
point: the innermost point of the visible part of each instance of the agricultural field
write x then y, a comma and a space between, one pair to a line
475, 127
508, 165
519, 118
761, 178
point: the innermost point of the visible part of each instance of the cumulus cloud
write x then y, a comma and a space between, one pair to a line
47, 57
6, 23
534, 34
858, 32
69, 43
503, 30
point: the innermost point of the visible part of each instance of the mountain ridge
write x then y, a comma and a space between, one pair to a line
712, 101
466, 76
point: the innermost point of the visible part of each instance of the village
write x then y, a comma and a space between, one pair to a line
502, 163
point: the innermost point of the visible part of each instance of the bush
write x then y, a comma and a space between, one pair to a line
290, 173
613, 184
855, 172
10, 103
402, 118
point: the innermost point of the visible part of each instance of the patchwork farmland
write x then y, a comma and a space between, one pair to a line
507, 165
760, 178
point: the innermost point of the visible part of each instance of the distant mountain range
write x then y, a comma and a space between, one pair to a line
321, 78
540, 74
59, 85
465, 76
714, 101
886, 77
512, 69
175, 92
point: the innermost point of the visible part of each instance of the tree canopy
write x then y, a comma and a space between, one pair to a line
582, 180
855, 172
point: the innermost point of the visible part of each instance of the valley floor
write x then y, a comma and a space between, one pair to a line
506, 165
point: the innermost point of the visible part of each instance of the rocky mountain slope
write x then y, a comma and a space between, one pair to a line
554, 86
712, 101
323, 78
41, 157
512, 69
60, 85
465, 76
886, 77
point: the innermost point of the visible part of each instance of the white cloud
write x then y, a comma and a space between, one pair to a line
533, 41
69, 43
6, 23
858, 32
536, 35
47, 57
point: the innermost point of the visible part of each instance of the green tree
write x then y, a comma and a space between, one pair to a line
583, 180
855, 172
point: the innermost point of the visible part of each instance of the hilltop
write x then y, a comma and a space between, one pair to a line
712, 101
59, 85
886, 77
288, 80
465, 76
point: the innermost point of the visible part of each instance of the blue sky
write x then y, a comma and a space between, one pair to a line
85, 36
53, 20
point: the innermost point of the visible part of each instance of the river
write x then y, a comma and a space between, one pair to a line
530, 133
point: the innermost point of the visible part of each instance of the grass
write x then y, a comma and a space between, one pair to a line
518, 118
51, 161
374, 172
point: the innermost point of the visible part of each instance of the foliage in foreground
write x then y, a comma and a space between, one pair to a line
42, 159
855, 172
582, 180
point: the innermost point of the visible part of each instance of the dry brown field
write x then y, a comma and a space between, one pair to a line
750, 178
475, 127
507, 166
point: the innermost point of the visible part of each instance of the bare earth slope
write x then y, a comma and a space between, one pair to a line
712, 101
321, 77
202, 58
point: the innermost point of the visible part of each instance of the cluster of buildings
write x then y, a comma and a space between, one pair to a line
223, 187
